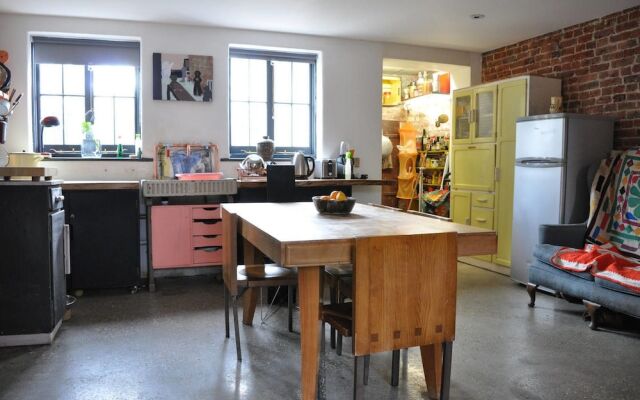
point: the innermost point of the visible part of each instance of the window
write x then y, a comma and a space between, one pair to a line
271, 94
74, 76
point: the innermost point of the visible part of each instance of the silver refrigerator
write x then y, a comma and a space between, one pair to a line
553, 156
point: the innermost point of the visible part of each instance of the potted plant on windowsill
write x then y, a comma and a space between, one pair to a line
90, 147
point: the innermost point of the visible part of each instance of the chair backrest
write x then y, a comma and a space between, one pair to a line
281, 183
405, 291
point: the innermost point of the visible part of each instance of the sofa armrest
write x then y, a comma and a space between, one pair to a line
567, 235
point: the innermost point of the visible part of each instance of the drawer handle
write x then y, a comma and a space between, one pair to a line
210, 208
209, 236
209, 249
207, 221
483, 220
482, 200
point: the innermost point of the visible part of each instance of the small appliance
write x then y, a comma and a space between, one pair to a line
325, 169
303, 169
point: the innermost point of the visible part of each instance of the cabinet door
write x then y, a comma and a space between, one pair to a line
473, 167
504, 200
105, 239
461, 207
484, 114
512, 104
171, 236
462, 112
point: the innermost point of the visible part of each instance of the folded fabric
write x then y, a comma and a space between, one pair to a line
602, 261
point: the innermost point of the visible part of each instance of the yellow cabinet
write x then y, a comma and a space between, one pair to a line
461, 207
483, 152
473, 167
474, 115
512, 103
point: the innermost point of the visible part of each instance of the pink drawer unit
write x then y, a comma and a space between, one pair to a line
211, 227
207, 256
206, 212
206, 240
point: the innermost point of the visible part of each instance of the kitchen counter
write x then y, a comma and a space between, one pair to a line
244, 184
262, 182
101, 185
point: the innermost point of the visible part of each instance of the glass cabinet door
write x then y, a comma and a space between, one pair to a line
485, 114
462, 117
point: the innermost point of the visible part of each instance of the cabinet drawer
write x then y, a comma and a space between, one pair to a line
207, 256
212, 227
206, 212
484, 200
208, 240
482, 217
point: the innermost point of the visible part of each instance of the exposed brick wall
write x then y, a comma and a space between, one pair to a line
598, 61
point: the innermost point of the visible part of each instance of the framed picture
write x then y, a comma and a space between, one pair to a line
180, 77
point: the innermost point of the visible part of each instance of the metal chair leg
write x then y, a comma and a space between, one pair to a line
290, 306
395, 367
447, 350
355, 377
226, 312
234, 300
365, 374
339, 345
332, 300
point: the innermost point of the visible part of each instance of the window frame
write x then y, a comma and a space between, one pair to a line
73, 150
240, 152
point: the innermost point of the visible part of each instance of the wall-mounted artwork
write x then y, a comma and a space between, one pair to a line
180, 77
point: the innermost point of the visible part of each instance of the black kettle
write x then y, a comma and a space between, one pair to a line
301, 165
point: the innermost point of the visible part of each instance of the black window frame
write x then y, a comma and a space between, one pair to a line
73, 150
240, 152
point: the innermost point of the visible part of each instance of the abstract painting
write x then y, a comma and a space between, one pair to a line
180, 77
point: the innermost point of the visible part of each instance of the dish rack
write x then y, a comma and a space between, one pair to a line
174, 188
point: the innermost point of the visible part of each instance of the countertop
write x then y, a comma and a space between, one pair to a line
101, 185
262, 182
255, 183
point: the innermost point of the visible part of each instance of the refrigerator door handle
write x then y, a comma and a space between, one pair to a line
531, 162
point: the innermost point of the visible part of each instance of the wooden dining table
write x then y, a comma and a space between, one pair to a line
295, 235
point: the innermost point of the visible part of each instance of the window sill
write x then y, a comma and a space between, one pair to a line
143, 159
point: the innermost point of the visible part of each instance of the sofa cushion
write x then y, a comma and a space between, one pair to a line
615, 286
543, 274
544, 252
615, 300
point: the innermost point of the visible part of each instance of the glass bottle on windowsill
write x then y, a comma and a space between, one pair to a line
89, 148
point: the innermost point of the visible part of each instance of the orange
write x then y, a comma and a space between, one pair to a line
341, 197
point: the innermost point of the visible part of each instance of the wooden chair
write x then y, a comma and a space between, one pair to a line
280, 189
257, 276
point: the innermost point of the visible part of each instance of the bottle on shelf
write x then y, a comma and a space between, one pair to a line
348, 165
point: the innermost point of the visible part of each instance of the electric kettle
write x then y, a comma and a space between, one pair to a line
301, 165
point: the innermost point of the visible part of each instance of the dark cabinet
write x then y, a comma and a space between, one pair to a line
105, 240
32, 281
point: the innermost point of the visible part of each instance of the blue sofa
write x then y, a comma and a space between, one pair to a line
594, 293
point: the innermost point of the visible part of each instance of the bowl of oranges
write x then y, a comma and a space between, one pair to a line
336, 203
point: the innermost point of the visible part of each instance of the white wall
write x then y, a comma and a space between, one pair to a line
350, 70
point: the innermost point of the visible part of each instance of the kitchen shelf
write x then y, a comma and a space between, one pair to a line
425, 95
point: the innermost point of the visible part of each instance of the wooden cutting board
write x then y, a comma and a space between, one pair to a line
35, 173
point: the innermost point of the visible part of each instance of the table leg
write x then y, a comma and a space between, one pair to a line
309, 298
432, 366
251, 256
249, 305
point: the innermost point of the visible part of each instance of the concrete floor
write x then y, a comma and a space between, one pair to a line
171, 345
